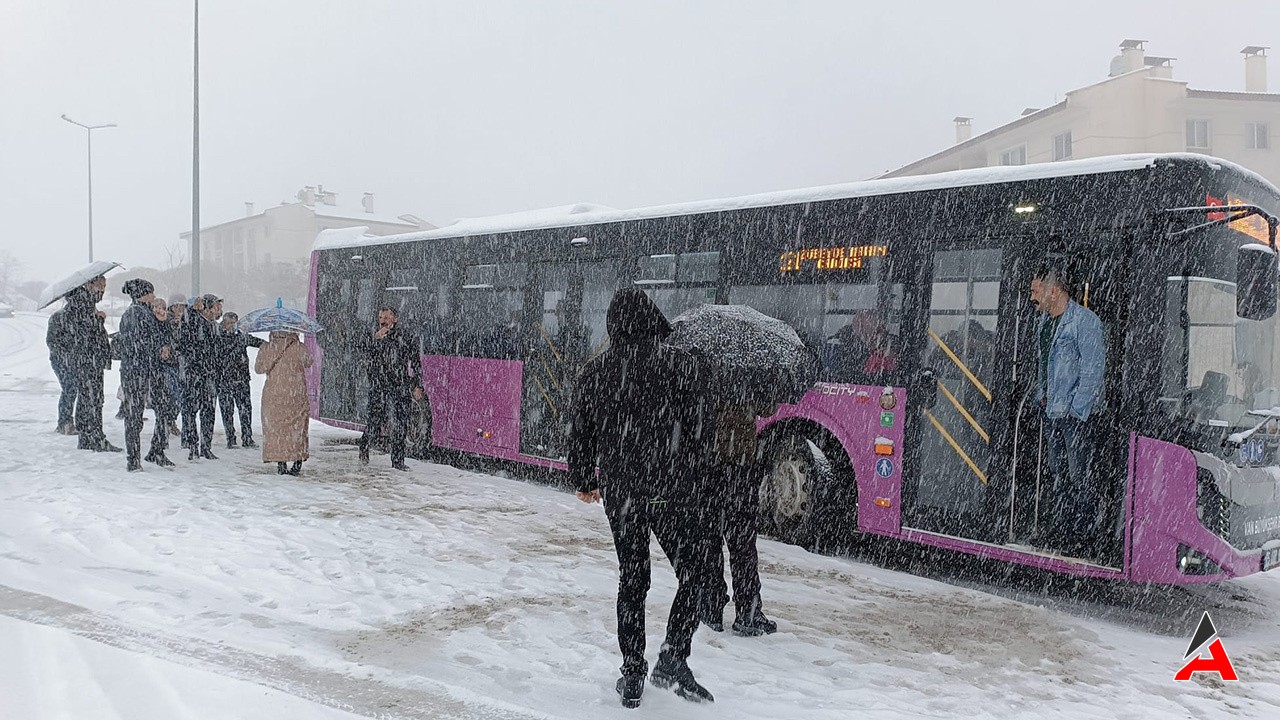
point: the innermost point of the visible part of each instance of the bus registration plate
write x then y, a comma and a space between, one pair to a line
1271, 558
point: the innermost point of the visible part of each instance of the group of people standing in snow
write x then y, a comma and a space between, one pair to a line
182, 358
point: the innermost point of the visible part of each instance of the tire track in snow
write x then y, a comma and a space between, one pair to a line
366, 696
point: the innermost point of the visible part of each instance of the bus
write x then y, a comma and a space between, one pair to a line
940, 440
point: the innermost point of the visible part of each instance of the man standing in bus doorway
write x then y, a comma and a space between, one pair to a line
395, 376
1070, 368
639, 415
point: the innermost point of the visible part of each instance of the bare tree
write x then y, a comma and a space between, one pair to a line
176, 255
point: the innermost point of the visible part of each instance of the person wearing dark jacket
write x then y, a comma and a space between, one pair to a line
640, 417
198, 348
142, 350
739, 470
233, 380
87, 351
64, 340
172, 379
395, 376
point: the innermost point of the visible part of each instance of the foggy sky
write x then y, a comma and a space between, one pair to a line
463, 109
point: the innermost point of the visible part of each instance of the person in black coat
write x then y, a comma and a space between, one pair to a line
640, 416
63, 337
143, 348
395, 376
233, 380
86, 349
198, 351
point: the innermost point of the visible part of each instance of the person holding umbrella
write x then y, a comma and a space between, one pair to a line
77, 337
285, 408
285, 403
757, 361
142, 349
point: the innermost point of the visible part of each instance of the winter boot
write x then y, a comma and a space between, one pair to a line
207, 455
751, 621
282, 468
630, 688
173, 429
135, 465
296, 470
159, 459
249, 443
399, 466
670, 672
364, 456
105, 446
231, 442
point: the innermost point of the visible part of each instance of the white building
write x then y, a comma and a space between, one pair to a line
284, 233
1139, 108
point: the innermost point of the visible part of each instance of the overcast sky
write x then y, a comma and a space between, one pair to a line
460, 109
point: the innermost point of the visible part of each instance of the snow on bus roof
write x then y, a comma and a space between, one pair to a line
588, 214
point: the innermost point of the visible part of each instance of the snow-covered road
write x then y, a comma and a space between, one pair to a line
447, 593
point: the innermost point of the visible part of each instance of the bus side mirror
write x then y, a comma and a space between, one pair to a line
1257, 280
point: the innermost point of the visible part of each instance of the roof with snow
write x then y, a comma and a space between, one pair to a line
587, 214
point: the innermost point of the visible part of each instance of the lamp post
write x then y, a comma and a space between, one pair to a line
89, 134
195, 155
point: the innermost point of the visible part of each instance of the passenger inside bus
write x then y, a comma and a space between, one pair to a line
861, 351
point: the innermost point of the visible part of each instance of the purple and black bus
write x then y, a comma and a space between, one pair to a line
933, 438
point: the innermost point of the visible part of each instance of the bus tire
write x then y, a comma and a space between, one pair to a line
808, 496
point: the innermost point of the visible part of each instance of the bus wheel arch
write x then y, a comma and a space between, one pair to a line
808, 492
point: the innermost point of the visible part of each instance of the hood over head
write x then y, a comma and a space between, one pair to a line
634, 317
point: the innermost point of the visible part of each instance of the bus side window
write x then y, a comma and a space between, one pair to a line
492, 310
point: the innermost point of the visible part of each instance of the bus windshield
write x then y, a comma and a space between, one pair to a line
1216, 366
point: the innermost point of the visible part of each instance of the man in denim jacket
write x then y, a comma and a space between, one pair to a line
1071, 362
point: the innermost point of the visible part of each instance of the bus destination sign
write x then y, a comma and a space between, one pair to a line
849, 257
1253, 226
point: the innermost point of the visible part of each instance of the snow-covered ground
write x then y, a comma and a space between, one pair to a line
220, 589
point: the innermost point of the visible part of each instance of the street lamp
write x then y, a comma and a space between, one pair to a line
89, 134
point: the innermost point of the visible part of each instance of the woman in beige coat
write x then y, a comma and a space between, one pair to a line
285, 410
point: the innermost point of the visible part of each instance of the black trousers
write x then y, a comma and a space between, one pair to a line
231, 397
198, 393
682, 531
387, 405
734, 520
88, 412
136, 389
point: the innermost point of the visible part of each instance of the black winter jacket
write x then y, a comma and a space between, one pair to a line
140, 340
394, 361
640, 411
197, 345
233, 357
77, 336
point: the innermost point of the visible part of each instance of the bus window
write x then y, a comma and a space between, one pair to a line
491, 310
667, 277
846, 325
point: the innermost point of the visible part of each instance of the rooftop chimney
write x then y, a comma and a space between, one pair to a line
1130, 58
248, 209
307, 195
964, 130
367, 202
1255, 68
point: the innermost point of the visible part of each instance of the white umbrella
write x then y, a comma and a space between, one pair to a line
74, 280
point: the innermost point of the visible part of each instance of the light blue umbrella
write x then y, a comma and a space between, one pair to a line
279, 319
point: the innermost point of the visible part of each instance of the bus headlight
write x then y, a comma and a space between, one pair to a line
1193, 562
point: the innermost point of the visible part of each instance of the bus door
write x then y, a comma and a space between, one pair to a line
348, 302
958, 409
1097, 268
567, 328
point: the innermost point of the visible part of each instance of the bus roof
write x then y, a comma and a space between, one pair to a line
587, 214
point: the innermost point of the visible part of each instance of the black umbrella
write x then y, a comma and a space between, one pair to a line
752, 358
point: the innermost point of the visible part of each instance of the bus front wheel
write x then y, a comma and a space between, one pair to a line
805, 492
